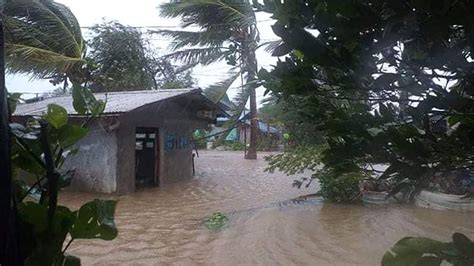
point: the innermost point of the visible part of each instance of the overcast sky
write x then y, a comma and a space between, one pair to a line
142, 13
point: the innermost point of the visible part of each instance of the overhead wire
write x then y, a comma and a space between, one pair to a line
169, 26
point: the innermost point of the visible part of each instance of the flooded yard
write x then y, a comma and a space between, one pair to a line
165, 225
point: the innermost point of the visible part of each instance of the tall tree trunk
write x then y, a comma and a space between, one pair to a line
251, 69
8, 244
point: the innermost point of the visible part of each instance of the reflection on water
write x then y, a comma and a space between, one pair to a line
164, 225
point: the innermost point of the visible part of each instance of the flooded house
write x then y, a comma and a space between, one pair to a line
142, 138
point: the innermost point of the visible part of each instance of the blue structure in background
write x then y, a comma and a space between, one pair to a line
234, 134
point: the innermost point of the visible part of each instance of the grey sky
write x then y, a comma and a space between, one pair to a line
142, 13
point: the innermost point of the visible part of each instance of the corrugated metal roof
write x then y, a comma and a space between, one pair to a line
117, 102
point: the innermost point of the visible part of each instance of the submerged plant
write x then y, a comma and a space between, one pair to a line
216, 221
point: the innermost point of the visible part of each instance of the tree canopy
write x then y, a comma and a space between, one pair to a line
121, 58
385, 81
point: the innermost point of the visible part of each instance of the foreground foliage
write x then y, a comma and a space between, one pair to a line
43, 38
38, 153
424, 251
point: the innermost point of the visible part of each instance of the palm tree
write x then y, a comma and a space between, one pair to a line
43, 38
227, 31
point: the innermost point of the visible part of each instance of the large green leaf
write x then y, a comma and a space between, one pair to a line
56, 115
464, 245
13, 99
43, 238
84, 101
69, 134
95, 220
72, 261
412, 251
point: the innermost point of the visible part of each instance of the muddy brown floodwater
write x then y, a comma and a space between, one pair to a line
164, 226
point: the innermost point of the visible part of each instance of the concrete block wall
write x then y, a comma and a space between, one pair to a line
95, 163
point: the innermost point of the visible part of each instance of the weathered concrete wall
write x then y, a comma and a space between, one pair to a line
177, 152
96, 162
173, 119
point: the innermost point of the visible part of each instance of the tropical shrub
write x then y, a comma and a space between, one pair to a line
39, 149
237, 146
296, 160
340, 188
334, 186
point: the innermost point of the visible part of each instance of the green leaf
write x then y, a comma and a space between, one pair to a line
56, 115
385, 80
43, 241
71, 261
299, 54
464, 245
13, 99
282, 50
95, 220
216, 221
429, 261
413, 250
78, 99
70, 134
84, 101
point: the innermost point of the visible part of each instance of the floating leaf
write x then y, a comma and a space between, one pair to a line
216, 221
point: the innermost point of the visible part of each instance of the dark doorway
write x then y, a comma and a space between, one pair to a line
146, 156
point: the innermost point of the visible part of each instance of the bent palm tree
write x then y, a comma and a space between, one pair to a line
227, 30
42, 38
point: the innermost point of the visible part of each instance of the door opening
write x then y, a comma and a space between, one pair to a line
146, 156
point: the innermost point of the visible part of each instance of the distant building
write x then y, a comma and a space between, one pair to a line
268, 135
142, 138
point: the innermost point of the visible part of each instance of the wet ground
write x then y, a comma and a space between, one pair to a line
164, 226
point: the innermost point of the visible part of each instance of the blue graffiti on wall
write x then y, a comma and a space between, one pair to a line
173, 142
